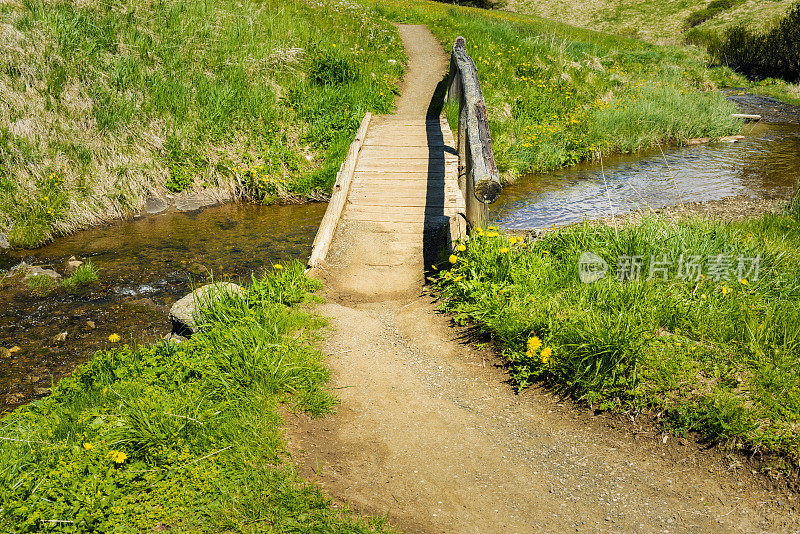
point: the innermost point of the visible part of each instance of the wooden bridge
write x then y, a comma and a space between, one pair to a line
408, 188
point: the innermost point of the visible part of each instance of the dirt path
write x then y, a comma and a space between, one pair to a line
430, 433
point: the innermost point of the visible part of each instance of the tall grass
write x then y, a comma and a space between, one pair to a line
123, 100
558, 95
178, 436
716, 353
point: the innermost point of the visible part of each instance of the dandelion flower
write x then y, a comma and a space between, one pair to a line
504, 250
453, 258
744, 281
277, 266
117, 456
512, 240
88, 446
534, 343
544, 357
462, 247
114, 338
492, 234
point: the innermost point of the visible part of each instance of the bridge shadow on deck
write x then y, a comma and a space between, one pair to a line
436, 225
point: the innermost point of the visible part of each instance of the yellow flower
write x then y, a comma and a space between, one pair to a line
492, 234
114, 338
88, 446
117, 456
744, 281
504, 250
544, 357
703, 296
512, 240
453, 258
277, 266
462, 247
534, 343
435, 268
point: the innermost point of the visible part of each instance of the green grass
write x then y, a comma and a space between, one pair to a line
716, 356
558, 95
40, 284
108, 103
179, 436
84, 275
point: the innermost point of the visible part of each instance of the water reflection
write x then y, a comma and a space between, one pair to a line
765, 164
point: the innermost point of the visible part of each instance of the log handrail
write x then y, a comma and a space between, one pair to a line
478, 176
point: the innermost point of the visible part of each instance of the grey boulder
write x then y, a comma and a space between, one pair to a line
184, 313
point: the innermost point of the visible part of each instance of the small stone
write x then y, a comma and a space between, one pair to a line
90, 325
73, 264
155, 205
14, 349
32, 378
41, 391
5, 353
698, 141
731, 138
60, 337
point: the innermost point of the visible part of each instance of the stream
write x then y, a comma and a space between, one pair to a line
144, 266
765, 164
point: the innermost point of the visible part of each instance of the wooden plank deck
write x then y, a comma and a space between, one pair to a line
403, 194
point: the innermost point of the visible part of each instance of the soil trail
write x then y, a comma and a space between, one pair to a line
430, 433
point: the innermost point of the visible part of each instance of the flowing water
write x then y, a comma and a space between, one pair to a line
144, 266
764, 164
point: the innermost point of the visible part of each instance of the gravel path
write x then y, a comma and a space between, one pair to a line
430, 432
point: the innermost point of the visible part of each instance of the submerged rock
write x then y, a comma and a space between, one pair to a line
182, 313
34, 270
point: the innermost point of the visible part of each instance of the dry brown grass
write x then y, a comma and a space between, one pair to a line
658, 21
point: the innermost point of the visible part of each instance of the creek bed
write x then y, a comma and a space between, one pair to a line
144, 266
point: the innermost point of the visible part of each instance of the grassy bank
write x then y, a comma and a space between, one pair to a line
655, 21
558, 95
103, 104
714, 351
178, 436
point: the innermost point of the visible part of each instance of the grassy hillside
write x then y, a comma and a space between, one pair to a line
655, 21
105, 103
558, 95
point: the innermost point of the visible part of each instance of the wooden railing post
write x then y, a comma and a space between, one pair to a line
478, 176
